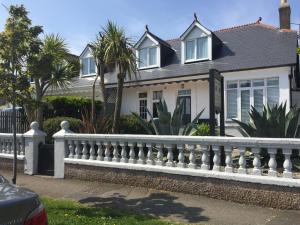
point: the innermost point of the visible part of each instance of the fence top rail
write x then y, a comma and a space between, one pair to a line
284, 143
9, 135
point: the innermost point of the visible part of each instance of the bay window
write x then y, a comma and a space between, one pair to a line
196, 49
241, 95
148, 57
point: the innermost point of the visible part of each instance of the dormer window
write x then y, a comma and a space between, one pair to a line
196, 49
196, 43
88, 66
148, 57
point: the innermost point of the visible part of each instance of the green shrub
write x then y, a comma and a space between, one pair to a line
202, 129
52, 125
131, 125
70, 106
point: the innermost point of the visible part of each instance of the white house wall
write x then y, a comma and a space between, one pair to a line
199, 97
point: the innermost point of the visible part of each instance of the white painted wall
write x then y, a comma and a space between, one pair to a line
147, 43
199, 97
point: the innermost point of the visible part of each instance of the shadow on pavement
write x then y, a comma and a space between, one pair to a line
156, 204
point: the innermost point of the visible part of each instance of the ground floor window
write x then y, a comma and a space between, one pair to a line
157, 96
242, 94
184, 97
143, 105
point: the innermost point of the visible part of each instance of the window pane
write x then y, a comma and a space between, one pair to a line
232, 84
143, 108
231, 104
245, 83
273, 95
245, 105
258, 83
184, 92
143, 58
190, 50
202, 48
157, 95
85, 66
143, 95
155, 114
273, 81
152, 55
92, 65
258, 95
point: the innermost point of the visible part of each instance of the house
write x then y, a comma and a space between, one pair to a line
258, 62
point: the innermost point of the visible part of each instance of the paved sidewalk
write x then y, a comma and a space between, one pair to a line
166, 205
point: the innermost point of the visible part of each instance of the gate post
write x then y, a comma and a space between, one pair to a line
60, 149
33, 138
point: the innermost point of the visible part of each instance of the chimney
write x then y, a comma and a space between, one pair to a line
285, 14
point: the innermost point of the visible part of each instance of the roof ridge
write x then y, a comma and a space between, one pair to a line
257, 23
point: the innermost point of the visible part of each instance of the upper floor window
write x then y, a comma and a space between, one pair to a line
148, 57
88, 66
196, 49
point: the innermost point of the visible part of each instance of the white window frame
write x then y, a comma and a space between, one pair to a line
89, 67
148, 57
194, 40
251, 88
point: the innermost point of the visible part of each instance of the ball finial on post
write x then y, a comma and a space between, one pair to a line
65, 125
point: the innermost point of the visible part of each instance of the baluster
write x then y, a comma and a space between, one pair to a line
192, 157
1, 145
100, 151
132, 153
124, 158
18, 147
107, 157
216, 158
21, 147
78, 150
116, 157
204, 158
71, 149
170, 156
141, 154
150, 160
92, 151
287, 165
272, 162
8, 147
181, 162
4, 146
160, 156
84, 150
256, 161
242, 161
228, 159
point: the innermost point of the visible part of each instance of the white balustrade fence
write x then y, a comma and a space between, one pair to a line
6, 145
185, 155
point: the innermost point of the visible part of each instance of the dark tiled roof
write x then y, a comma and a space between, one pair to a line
249, 46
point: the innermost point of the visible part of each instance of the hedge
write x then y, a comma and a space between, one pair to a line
67, 106
130, 125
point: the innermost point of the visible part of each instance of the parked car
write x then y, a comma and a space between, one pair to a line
20, 206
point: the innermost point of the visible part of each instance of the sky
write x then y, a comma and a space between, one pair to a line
78, 21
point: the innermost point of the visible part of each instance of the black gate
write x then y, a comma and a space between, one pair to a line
46, 159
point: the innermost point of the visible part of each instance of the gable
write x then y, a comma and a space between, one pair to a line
147, 43
195, 32
86, 52
193, 28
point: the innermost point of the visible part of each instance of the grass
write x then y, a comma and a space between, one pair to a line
66, 212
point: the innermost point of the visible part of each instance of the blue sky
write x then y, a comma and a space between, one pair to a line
79, 20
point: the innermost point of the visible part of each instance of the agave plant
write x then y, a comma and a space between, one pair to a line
273, 122
166, 123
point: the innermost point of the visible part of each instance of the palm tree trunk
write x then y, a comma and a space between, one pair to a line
39, 109
93, 116
117, 113
103, 90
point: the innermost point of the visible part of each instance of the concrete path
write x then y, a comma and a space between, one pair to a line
166, 205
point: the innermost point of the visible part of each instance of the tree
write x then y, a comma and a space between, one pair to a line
298, 51
273, 122
98, 51
51, 67
118, 51
167, 123
18, 40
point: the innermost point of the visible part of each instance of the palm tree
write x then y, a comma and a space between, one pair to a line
98, 52
52, 67
119, 52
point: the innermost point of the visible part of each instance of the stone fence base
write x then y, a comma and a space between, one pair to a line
241, 192
7, 165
